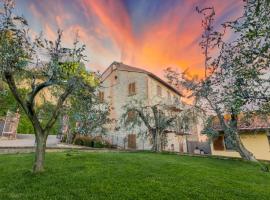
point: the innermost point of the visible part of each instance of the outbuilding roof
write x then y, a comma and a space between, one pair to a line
253, 123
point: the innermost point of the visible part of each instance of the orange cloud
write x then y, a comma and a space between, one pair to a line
116, 21
170, 40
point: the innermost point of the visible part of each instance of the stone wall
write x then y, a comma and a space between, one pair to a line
115, 88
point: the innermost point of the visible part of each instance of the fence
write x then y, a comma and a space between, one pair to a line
128, 142
203, 146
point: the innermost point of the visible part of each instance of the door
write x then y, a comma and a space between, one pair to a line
132, 141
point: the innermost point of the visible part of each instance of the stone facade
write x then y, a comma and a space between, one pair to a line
115, 88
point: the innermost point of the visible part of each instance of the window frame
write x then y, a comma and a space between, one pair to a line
132, 89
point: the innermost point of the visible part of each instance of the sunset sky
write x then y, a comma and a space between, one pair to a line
152, 34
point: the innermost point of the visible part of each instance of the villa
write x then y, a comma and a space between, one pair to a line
120, 83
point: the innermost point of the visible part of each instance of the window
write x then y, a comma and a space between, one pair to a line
268, 137
101, 96
131, 89
159, 91
218, 143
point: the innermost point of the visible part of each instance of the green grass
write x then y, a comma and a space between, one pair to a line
131, 176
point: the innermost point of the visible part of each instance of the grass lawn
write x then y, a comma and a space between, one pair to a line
130, 176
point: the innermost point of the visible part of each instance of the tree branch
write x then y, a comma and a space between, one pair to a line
155, 112
219, 114
13, 88
37, 89
26, 107
57, 110
143, 117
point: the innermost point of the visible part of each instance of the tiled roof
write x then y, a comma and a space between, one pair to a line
246, 124
124, 67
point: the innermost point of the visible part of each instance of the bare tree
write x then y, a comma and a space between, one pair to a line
41, 66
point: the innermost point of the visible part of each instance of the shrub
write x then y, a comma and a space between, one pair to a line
99, 142
83, 140
64, 138
25, 125
96, 142
87, 141
78, 140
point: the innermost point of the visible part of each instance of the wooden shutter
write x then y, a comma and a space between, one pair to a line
131, 89
218, 143
101, 96
132, 141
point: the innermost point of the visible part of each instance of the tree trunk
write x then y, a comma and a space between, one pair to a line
154, 148
159, 148
246, 154
41, 138
240, 148
156, 141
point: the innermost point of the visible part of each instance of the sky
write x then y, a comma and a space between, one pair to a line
150, 34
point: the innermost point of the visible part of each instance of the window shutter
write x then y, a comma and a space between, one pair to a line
101, 96
218, 143
131, 89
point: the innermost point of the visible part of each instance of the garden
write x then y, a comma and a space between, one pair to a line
77, 175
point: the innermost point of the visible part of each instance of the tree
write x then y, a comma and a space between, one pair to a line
41, 66
90, 114
156, 120
237, 82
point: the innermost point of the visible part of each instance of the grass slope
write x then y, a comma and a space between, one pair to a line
130, 176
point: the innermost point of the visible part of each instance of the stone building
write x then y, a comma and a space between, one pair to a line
121, 82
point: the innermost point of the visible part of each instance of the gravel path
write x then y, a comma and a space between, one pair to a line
27, 140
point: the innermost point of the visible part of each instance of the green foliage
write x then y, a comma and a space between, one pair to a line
83, 140
96, 142
61, 74
25, 126
121, 176
8, 102
237, 70
92, 115
208, 128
